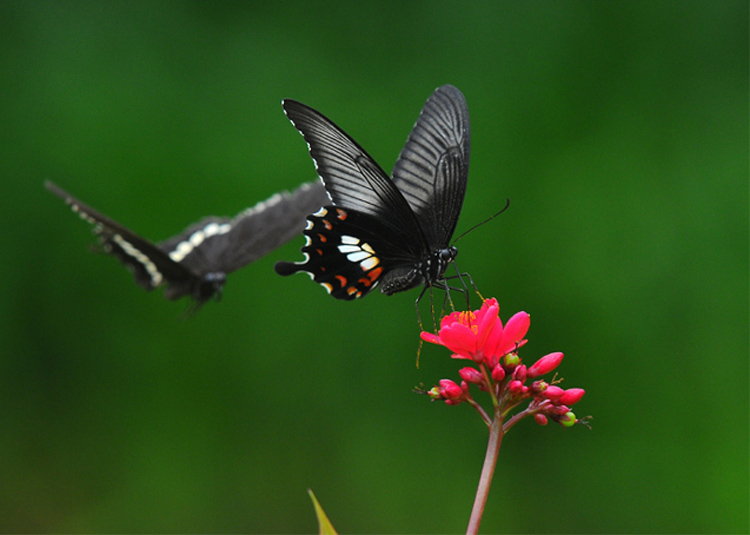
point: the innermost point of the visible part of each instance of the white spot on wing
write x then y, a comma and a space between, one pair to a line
370, 263
357, 256
186, 247
148, 265
358, 252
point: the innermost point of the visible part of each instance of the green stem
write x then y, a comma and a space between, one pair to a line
488, 469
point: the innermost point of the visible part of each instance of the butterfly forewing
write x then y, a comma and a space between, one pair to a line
433, 167
351, 177
151, 266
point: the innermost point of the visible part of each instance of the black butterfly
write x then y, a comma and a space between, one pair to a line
196, 261
395, 232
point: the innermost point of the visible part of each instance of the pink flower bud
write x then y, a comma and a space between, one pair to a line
545, 364
571, 396
553, 392
516, 387
471, 375
498, 373
519, 374
558, 410
541, 419
449, 389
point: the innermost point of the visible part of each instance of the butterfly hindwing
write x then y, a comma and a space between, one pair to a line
227, 244
347, 251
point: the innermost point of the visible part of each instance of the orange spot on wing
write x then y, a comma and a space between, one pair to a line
375, 273
341, 214
341, 279
371, 277
327, 224
322, 238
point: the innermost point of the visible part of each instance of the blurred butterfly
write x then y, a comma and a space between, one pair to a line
381, 231
196, 261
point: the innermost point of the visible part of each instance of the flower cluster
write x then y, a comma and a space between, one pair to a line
481, 337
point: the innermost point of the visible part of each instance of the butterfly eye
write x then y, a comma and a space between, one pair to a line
448, 254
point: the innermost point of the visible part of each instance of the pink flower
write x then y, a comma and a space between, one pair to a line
479, 335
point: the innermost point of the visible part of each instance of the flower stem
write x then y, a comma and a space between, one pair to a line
488, 470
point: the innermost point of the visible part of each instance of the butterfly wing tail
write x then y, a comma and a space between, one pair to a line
288, 268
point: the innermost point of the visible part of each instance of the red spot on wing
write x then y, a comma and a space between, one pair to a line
341, 279
322, 238
327, 224
371, 277
341, 214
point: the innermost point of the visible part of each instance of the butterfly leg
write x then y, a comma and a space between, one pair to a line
473, 285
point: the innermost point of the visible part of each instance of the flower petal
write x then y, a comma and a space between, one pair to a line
487, 319
429, 337
514, 331
459, 338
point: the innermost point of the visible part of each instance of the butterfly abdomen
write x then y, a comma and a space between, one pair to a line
400, 279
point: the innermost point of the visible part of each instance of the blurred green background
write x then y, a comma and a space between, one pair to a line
618, 130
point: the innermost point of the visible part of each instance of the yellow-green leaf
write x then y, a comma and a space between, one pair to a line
324, 525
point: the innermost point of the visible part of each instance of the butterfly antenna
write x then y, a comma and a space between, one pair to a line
507, 204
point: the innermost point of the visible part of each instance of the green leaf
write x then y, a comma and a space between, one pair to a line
324, 525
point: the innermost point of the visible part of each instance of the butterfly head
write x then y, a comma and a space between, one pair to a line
447, 256
210, 286
434, 267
